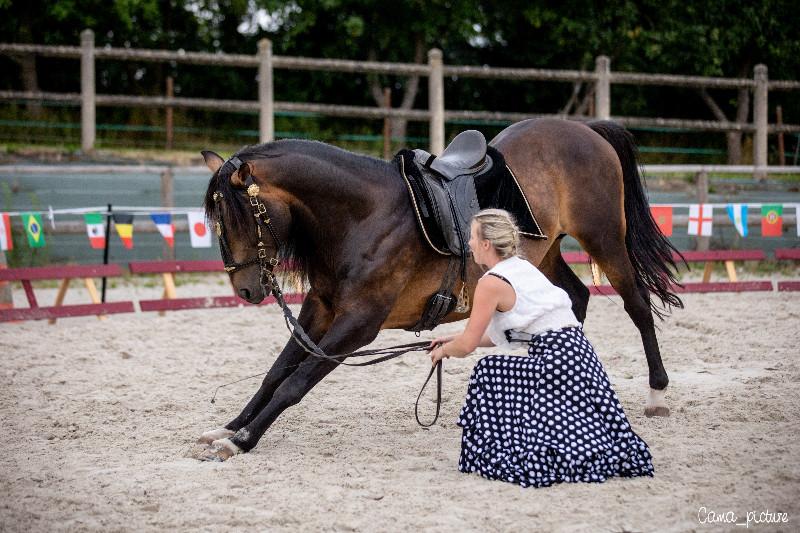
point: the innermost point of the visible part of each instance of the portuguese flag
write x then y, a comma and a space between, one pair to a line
124, 224
771, 220
33, 229
663, 217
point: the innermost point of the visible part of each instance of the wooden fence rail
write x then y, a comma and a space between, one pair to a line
602, 78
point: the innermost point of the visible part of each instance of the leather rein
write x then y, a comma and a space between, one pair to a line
269, 285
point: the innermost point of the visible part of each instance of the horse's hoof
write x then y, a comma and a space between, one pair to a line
220, 450
656, 404
215, 434
656, 411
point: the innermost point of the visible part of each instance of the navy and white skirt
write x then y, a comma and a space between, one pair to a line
548, 418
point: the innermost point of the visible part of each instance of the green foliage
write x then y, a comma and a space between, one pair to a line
713, 38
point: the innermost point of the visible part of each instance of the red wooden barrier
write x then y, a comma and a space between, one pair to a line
787, 254
65, 274
170, 301
787, 286
736, 286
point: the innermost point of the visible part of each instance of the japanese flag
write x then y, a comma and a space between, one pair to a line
198, 230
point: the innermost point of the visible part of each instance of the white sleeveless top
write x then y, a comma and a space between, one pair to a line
540, 306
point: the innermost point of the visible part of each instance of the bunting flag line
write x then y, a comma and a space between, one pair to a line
738, 215
95, 230
33, 229
700, 219
5, 232
198, 230
663, 217
771, 220
123, 222
165, 227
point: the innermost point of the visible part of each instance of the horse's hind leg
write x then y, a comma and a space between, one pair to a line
315, 318
613, 259
559, 273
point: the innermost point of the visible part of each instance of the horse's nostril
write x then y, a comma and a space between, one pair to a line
244, 293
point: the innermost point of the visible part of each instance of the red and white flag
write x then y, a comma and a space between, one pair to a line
700, 219
5, 232
199, 230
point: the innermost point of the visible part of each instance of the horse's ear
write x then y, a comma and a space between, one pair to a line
213, 161
240, 176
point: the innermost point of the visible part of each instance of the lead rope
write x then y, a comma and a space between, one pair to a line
304, 341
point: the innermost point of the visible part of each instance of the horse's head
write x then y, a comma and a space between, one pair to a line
249, 238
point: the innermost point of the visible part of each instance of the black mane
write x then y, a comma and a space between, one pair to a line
237, 217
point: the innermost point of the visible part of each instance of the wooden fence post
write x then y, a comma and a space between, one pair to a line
167, 200
781, 145
701, 179
387, 124
87, 91
266, 116
436, 100
169, 124
761, 119
602, 92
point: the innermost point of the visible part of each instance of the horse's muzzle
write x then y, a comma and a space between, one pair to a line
245, 294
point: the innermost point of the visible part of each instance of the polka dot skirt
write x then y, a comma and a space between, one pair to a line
548, 418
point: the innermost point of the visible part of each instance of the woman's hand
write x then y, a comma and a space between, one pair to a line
437, 354
440, 341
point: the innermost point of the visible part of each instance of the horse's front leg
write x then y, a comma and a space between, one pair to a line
315, 317
349, 331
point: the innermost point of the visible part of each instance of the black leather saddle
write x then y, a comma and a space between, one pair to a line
448, 190
446, 183
464, 156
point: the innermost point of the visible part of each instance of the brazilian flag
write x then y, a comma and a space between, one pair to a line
33, 229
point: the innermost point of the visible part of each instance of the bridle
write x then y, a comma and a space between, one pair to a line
265, 265
269, 284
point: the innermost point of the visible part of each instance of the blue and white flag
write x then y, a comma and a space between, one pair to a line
738, 214
165, 228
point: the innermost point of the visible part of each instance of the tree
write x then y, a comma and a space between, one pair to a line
401, 31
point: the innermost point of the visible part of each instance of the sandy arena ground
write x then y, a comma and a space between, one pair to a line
99, 417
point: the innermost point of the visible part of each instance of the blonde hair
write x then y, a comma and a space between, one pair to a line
500, 229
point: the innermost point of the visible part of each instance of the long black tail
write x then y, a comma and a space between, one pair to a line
649, 251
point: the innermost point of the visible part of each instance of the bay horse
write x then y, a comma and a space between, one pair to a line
347, 223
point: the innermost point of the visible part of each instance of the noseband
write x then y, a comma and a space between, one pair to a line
265, 265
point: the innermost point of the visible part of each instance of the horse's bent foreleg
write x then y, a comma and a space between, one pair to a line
347, 333
615, 263
315, 318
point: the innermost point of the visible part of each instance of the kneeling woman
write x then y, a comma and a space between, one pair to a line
552, 416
